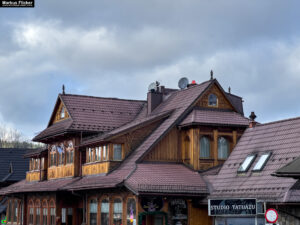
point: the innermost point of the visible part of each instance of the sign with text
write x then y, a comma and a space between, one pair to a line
226, 207
17, 3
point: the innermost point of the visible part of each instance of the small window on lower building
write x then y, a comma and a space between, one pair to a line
131, 211
247, 163
45, 216
262, 161
117, 220
38, 216
93, 212
105, 212
52, 216
31, 215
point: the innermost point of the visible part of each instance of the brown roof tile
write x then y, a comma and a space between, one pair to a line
215, 117
93, 114
165, 178
282, 138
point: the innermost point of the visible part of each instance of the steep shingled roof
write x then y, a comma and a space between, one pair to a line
282, 139
92, 114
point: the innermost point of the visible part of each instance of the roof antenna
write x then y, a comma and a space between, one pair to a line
63, 89
229, 90
211, 74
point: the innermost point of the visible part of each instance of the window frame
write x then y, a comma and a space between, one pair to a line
121, 149
264, 163
113, 210
209, 150
228, 146
135, 214
89, 213
217, 100
249, 164
107, 201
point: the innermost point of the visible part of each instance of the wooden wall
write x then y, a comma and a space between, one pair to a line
95, 168
55, 172
167, 149
57, 117
35, 175
199, 216
223, 103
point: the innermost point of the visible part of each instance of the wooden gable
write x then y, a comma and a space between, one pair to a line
222, 101
60, 113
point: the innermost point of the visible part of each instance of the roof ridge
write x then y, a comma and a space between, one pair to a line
233, 95
279, 121
111, 98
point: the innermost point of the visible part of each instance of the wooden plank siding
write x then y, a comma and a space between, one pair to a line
55, 172
166, 149
36, 175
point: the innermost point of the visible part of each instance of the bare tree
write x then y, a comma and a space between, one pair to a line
12, 138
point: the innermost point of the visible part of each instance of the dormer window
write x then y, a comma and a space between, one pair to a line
62, 112
212, 100
247, 163
262, 161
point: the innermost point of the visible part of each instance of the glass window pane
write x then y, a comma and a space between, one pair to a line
212, 100
105, 212
247, 163
223, 148
131, 211
204, 147
38, 216
117, 152
117, 220
45, 216
93, 212
261, 162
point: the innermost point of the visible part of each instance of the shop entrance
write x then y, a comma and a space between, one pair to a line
153, 218
239, 221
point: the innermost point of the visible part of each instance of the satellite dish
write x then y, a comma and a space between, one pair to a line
183, 83
152, 87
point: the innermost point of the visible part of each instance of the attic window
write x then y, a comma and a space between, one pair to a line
262, 161
62, 113
247, 163
212, 100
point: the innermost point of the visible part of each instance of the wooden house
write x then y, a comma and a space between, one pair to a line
114, 161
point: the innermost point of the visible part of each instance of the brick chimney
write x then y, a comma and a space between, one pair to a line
252, 120
155, 97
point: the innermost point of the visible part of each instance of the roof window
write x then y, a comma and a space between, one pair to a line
262, 161
247, 163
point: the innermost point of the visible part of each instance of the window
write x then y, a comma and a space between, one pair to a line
131, 211
105, 152
117, 152
31, 215
262, 161
62, 112
52, 216
89, 155
100, 153
61, 154
247, 163
204, 147
53, 156
15, 211
212, 100
223, 148
43, 163
38, 216
70, 153
45, 213
93, 212
117, 212
52, 212
105, 212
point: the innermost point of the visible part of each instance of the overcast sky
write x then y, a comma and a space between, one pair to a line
117, 48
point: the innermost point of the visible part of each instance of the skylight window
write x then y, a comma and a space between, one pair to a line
262, 161
247, 163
